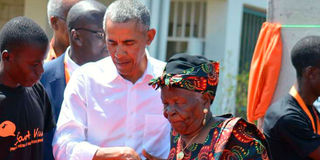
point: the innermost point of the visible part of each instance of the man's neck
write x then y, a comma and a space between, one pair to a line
306, 93
201, 133
142, 68
58, 47
74, 57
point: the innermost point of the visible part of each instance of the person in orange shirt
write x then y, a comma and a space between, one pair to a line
57, 11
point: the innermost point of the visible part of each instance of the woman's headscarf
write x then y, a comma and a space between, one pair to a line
194, 73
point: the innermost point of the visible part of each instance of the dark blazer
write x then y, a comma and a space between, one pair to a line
53, 79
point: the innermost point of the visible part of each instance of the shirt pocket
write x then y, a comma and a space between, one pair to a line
156, 135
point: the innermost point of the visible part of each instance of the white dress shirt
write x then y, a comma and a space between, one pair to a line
102, 109
71, 65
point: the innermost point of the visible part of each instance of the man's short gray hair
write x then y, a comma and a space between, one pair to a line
55, 8
122, 11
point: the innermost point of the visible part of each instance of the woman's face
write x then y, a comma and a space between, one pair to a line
183, 109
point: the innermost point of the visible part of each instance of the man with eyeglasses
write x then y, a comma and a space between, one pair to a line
87, 44
57, 11
109, 111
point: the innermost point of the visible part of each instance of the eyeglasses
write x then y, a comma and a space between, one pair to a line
100, 35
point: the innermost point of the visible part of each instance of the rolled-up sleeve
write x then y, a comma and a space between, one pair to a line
70, 139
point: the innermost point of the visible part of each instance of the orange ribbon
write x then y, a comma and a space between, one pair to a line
66, 71
294, 93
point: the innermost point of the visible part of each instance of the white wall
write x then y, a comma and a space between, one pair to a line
223, 43
304, 12
37, 11
159, 11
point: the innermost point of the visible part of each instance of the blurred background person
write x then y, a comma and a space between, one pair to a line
57, 11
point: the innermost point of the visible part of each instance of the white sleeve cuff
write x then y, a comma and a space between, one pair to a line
84, 151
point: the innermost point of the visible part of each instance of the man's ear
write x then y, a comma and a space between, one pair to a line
309, 72
151, 33
74, 37
54, 23
5, 56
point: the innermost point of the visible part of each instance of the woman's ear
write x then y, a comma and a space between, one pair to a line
206, 100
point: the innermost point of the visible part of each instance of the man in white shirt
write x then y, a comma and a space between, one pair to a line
109, 111
87, 44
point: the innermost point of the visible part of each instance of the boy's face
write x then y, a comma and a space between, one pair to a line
25, 64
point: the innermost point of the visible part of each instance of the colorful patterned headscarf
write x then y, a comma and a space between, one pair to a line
194, 73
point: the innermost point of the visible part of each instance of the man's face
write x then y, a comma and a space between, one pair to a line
126, 44
25, 65
61, 31
93, 42
61, 28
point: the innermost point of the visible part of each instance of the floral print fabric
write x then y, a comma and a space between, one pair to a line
228, 139
203, 78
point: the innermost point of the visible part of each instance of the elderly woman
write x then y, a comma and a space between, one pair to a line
188, 87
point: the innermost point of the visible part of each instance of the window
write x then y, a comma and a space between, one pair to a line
186, 27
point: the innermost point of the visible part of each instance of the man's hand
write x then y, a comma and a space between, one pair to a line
149, 156
121, 153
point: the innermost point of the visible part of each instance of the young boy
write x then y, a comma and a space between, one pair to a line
25, 111
292, 125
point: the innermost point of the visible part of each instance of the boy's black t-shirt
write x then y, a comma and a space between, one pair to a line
289, 131
25, 114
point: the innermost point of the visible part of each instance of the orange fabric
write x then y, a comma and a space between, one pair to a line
264, 70
294, 93
66, 71
51, 54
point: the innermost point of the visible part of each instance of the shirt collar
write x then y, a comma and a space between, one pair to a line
71, 65
149, 72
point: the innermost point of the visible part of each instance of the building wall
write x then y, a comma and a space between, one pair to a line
37, 11
223, 43
297, 12
10, 9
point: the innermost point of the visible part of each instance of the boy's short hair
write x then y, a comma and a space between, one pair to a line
306, 52
21, 31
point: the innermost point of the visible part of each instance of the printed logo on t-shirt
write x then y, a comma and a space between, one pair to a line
7, 128
23, 138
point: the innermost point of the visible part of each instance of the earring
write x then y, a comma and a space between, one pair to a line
205, 111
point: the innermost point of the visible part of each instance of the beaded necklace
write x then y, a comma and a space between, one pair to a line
180, 154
